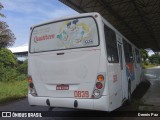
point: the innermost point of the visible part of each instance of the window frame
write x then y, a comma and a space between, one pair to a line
111, 45
130, 53
138, 58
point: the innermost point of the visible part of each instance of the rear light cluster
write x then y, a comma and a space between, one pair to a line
99, 86
32, 89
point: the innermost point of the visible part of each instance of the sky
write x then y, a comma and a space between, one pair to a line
22, 14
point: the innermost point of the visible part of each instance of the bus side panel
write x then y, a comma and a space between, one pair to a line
115, 89
103, 60
138, 67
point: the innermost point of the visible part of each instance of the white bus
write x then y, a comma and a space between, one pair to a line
81, 62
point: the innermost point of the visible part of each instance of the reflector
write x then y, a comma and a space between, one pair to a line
100, 78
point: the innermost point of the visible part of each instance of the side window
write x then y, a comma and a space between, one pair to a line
111, 45
128, 52
137, 56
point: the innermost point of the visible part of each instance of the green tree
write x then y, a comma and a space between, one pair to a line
23, 68
7, 58
144, 55
155, 59
9, 66
1, 7
7, 38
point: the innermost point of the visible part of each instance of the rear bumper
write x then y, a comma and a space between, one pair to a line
93, 104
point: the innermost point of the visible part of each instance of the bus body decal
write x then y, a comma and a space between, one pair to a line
73, 33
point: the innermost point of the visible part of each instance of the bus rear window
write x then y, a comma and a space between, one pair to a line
68, 34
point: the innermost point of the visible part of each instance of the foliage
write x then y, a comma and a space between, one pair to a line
10, 91
149, 61
155, 59
8, 74
7, 58
9, 68
23, 67
146, 63
144, 66
1, 6
7, 38
13, 84
144, 54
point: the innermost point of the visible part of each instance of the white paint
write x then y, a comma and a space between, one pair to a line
79, 68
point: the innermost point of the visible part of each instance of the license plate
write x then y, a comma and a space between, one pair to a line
62, 87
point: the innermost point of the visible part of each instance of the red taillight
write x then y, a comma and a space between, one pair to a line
99, 85
31, 85
30, 82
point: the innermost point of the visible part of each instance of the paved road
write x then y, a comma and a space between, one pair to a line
151, 99
22, 105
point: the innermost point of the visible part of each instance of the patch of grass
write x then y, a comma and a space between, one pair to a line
10, 91
148, 66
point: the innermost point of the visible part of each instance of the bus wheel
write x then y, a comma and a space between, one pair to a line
129, 92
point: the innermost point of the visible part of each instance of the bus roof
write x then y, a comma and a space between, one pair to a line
66, 17
83, 15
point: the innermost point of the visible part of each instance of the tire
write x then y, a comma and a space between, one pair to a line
129, 92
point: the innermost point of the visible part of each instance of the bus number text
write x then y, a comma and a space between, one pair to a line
81, 94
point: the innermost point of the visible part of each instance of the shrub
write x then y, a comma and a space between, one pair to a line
8, 64
146, 63
155, 59
10, 74
23, 67
7, 58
